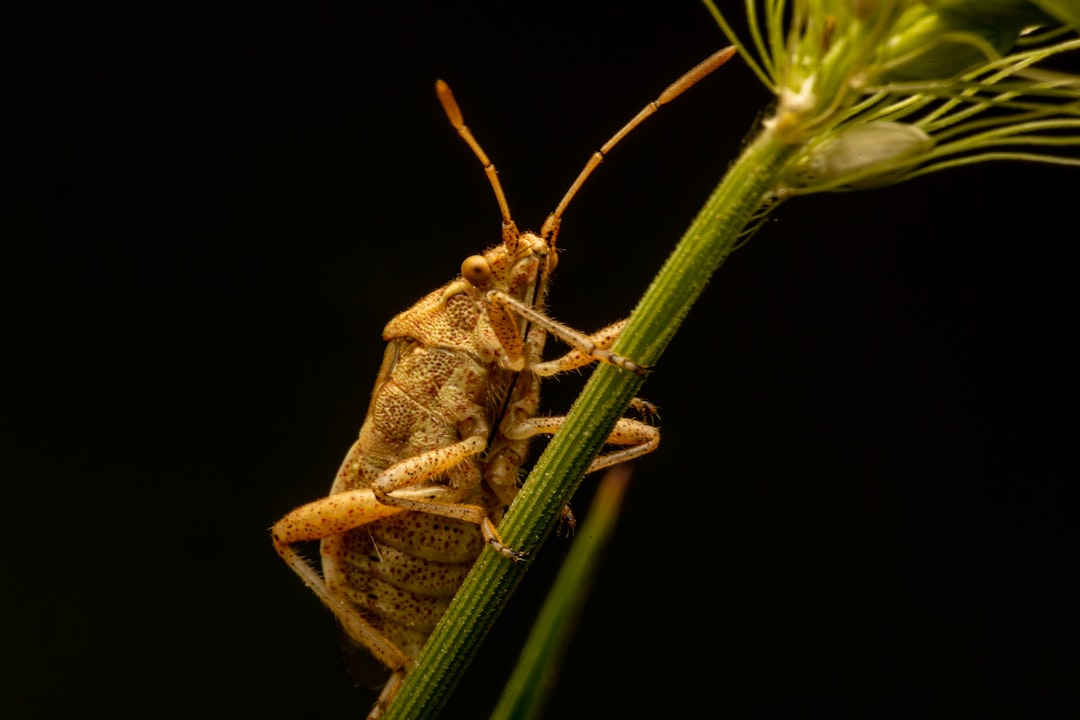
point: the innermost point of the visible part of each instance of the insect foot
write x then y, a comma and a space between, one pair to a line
492, 538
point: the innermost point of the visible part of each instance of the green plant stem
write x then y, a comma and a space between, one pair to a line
526, 693
708, 241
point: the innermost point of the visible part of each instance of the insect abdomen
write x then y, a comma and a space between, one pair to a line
401, 572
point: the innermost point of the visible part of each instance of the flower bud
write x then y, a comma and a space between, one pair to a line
863, 153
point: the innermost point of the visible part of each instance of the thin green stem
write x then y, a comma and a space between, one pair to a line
762, 70
537, 668
993, 156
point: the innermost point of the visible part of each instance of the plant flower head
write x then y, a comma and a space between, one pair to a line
873, 92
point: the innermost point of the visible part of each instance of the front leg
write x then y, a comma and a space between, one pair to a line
601, 340
594, 347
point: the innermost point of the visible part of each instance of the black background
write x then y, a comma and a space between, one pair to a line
859, 507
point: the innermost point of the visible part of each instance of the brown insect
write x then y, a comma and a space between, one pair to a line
453, 410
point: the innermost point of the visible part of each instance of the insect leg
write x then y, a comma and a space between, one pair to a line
603, 338
586, 344
416, 470
351, 621
323, 518
635, 437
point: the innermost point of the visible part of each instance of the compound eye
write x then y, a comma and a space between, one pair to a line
476, 270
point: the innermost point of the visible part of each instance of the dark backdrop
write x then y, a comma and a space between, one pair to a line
208, 216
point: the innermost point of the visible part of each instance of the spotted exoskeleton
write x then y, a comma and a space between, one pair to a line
452, 413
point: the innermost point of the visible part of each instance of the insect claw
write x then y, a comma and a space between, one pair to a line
628, 364
510, 553
619, 361
567, 522
492, 537
645, 409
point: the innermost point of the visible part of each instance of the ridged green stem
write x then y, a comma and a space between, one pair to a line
525, 694
710, 238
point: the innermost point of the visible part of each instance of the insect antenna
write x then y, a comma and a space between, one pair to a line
453, 112
551, 226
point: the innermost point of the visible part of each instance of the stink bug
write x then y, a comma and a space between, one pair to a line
447, 431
